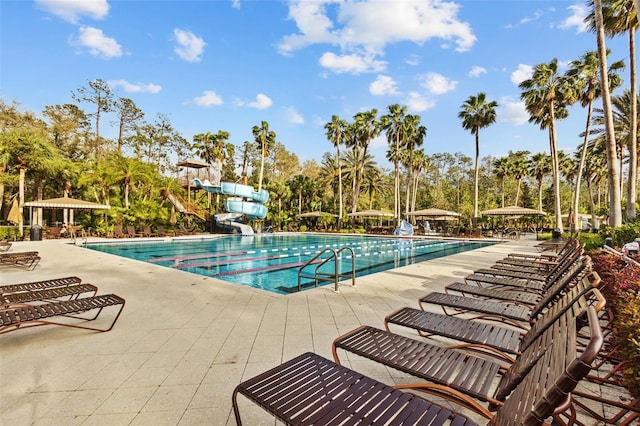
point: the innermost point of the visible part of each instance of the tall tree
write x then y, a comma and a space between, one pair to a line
539, 167
129, 115
394, 123
264, 139
415, 138
335, 131
619, 17
477, 113
99, 93
367, 127
615, 208
584, 73
546, 95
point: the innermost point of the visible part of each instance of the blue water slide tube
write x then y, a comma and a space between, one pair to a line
251, 209
233, 189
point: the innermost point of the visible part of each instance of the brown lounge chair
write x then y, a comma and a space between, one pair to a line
5, 246
17, 317
486, 337
146, 232
25, 260
49, 295
131, 232
312, 390
39, 285
117, 231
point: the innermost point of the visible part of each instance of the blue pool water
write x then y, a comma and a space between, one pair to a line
272, 261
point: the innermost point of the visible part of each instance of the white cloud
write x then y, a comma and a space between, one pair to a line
94, 40
413, 60
188, 45
418, 103
208, 98
536, 15
476, 71
262, 102
576, 18
354, 63
235, 4
135, 88
437, 84
72, 10
383, 85
365, 26
524, 72
512, 112
294, 116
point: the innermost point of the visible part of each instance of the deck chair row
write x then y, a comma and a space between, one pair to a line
24, 260
50, 302
451, 372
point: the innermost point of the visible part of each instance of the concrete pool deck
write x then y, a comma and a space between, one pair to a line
184, 341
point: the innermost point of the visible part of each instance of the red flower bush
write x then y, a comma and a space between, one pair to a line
621, 287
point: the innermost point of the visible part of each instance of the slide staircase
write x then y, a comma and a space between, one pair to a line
183, 206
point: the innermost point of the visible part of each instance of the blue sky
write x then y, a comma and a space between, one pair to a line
228, 65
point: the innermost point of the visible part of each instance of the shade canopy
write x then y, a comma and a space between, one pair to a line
316, 214
66, 203
371, 213
512, 211
435, 213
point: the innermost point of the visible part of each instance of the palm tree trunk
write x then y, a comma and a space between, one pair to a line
583, 156
23, 172
615, 209
475, 182
556, 171
632, 185
340, 205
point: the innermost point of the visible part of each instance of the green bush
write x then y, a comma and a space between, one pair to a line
303, 228
592, 241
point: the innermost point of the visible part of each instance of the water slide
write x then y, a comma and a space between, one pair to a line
243, 200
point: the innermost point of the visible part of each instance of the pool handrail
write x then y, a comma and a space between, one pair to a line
324, 276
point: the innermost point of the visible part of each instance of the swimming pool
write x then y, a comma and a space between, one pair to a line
272, 261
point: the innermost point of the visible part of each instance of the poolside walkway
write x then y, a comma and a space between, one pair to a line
183, 341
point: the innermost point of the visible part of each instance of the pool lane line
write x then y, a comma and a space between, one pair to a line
359, 245
295, 264
284, 256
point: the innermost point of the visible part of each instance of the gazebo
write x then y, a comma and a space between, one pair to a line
65, 203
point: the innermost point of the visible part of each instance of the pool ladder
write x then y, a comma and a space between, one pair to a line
323, 276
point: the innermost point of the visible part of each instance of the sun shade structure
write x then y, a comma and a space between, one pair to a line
316, 214
435, 213
512, 211
67, 203
371, 213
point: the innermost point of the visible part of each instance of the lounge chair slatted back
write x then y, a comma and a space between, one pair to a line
24, 260
118, 232
49, 294
26, 316
39, 285
310, 390
552, 379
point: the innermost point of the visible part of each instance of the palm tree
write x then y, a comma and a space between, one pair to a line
394, 125
501, 170
415, 138
546, 95
619, 17
518, 169
477, 114
203, 144
265, 139
335, 130
539, 167
366, 128
585, 75
613, 169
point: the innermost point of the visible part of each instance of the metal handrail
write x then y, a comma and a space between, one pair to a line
324, 276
